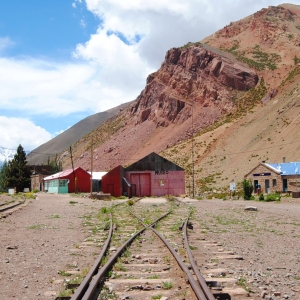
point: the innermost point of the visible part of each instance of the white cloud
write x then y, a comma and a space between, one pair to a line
74, 5
15, 131
164, 24
109, 71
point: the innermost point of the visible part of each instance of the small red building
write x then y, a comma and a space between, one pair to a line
153, 175
68, 181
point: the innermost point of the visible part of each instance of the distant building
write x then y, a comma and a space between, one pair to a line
68, 182
152, 175
270, 177
38, 173
97, 180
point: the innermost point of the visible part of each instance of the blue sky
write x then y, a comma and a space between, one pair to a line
63, 60
45, 28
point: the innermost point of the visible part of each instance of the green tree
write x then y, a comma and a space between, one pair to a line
17, 173
248, 189
56, 166
3, 171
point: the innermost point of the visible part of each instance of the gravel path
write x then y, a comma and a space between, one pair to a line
48, 236
40, 240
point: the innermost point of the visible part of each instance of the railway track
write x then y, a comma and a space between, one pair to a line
154, 251
7, 207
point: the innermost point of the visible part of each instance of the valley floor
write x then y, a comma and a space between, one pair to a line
47, 238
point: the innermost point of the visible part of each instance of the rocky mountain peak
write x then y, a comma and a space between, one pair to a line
195, 74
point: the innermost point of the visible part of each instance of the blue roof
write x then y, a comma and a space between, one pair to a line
291, 168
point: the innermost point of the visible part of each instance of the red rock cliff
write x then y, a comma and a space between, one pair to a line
197, 74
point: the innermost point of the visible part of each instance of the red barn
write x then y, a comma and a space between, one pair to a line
153, 175
68, 181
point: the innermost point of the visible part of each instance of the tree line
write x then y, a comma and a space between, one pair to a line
15, 173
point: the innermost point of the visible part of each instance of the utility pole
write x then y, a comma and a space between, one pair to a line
91, 169
193, 166
75, 182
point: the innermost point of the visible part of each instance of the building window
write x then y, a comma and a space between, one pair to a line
274, 182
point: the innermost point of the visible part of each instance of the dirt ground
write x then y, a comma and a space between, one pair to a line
47, 237
40, 240
268, 240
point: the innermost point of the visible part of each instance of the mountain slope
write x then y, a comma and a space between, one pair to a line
236, 92
71, 135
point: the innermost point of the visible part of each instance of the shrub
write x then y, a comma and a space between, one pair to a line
261, 197
104, 210
272, 197
29, 195
35, 191
130, 202
248, 189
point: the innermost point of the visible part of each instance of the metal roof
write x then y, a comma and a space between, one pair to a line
291, 168
153, 162
60, 174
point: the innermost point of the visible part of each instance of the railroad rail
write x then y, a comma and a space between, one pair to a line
147, 255
6, 207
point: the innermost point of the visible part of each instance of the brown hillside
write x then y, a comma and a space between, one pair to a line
71, 135
243, 85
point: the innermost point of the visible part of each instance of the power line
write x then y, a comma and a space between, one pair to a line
135, 159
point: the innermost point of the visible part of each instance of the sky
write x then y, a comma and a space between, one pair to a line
63, 60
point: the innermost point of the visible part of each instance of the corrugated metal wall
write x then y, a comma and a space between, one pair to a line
153, 175
83, 181
111, 182
159, 184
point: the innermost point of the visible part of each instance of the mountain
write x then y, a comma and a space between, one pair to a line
235, 92
67, 138
6, 155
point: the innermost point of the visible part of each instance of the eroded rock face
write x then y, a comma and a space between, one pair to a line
191, 76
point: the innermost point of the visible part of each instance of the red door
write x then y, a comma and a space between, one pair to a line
135, 181
142, 184
145, 185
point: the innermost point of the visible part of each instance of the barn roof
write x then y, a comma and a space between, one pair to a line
290, 168
154, 162
61, 174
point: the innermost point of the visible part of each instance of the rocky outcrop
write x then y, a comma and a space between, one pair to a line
193, 76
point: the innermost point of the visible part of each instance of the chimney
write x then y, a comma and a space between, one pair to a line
283, 159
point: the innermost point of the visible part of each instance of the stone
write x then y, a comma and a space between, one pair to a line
263, 294
11, 247
137, 287
251, 208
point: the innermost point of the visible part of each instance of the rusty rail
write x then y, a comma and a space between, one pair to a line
182, 265
201, 280
89, 293
198, 292
100, 275
80, 291
3, 209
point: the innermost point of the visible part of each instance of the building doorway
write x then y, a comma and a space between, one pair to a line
141, 181
267, 185
284, 184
